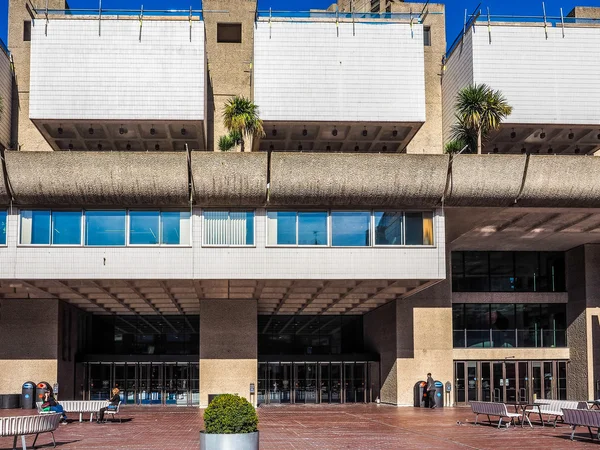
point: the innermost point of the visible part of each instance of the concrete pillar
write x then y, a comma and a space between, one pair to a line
583, 326
29, 343
228, 348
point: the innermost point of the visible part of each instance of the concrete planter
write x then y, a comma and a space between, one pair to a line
246, 441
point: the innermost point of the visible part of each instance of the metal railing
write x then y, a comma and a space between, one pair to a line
184, 13
336, 15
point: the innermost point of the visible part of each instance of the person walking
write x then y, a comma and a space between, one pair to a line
431, 391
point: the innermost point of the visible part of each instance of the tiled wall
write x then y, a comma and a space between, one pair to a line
259, 262
77, 74
6, 83
305, 71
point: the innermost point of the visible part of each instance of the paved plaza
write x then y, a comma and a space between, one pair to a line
314, 427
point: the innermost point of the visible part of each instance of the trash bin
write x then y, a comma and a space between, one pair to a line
39, 391
439, 394
10, 401
420, 394
28, 395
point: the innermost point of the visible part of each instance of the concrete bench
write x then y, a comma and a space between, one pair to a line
555, 407
582, 418
493, 409
79, 406
28, 425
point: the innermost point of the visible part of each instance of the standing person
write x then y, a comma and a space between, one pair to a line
112, 404
50, 404
431, 391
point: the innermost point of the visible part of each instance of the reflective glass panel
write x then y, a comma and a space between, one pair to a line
350, 228
175, 227
2, 227
282, 227
312, 228
388, 228
143, 227
418, 228
66, 227
105, 228
35, 227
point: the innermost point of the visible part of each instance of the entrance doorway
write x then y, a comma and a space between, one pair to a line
144, 383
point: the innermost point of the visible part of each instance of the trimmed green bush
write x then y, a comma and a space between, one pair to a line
230, 414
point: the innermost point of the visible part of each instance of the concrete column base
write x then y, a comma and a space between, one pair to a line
227, 376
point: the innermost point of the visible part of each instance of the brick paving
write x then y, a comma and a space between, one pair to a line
313, 427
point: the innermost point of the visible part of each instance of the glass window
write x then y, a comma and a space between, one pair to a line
66, 227
229, 227
144, 227
526, 271
2, 227
552, 272
35, 227
419, 228
388, 228
476, 272
312, 228
350, 228
175, 227
105, 228
281, 227
502, 271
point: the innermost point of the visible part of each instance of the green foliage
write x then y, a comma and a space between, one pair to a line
455, 146
229, 141
230, 414
241, 115
479, 110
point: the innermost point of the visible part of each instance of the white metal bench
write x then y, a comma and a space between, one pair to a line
494, 409
27, 425
113, 412
554, 408
79, 406
582, 418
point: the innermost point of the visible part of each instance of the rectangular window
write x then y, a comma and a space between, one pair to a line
312, 228
419, 228
350, 228
66, 227
281, 228
229, 228
175, 227
144, 227
27, 30
105, 228
35, 227
388, 228
427, 36
297, 228
229, 33
3, 227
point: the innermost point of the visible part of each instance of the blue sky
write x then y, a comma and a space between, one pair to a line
454, 8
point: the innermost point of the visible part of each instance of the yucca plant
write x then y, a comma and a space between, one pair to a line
241, 115
479, 109
229, 141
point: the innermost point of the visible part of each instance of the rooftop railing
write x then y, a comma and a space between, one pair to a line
98, 12
337, 15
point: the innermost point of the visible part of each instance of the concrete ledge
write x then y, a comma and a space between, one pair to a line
485, 180
229, 179
352, 180
98, 178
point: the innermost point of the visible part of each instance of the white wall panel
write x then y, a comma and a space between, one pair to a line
305, 71
76, 74
6, 80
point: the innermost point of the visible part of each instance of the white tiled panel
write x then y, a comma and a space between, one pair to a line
305, 71
6, 96
77, 74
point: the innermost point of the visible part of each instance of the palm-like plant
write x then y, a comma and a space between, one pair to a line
229, 141
480, 109
241, 115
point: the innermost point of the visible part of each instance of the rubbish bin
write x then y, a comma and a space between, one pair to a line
420, 394
9, 401
28, 395
439, 394
39, 391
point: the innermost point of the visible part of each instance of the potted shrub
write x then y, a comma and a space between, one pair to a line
230, 422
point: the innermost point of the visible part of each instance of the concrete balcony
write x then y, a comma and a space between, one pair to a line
118, 83
350, 86
546, 72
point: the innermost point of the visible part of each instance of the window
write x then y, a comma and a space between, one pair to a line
2, 227
35, 227
297, 228
175, 227
229, 33
66, 227
143, 227
427, 36
105, 228
350, 228
229, 228
419, 228
388, 228
27, 30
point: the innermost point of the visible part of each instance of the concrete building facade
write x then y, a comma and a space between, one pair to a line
339, 259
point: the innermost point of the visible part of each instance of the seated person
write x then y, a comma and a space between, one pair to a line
50, 404
112, 405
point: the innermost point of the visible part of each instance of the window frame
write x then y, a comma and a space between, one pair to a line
128, 228
230, 26
203, 231
85, 211
297, 211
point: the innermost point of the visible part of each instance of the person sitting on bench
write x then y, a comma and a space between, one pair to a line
112, 405
50, 404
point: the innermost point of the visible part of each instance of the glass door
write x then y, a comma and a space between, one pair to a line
299, 383
195, 383
459, 383
261, 389
311, 383
99, 381
129, 395
524, 389
536, 379
336, 383
143, 388
156, 384
486, 382
348, 383
286, 382
510, 382
360, 382
325, 382
498, 382
472, 381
